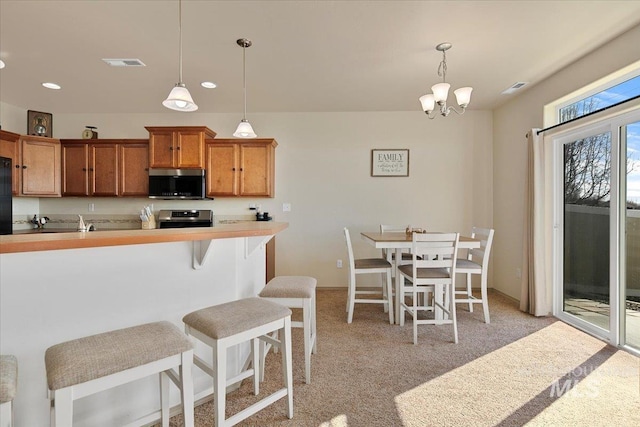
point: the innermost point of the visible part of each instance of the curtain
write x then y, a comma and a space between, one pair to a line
533, 296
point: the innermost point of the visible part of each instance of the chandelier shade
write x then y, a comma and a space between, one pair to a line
179, 98
441, 91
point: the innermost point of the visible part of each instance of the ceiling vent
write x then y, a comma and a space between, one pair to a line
515, 87
124, 62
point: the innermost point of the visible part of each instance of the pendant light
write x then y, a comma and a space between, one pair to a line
179, 98
244, 129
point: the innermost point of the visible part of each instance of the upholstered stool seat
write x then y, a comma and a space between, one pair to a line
226, 325
297, 292
87, 365
8, 387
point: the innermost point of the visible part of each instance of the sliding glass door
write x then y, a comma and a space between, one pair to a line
631, 221
586, 233
597, 280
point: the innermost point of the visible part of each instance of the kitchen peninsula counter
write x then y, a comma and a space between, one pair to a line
56, 287
43, 241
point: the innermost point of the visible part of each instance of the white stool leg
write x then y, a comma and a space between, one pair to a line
485, 300
186, 388
306, 326
219, 381
469, 293
164, 398
6, 414
63, 407
255, 354
313, 324
287, 369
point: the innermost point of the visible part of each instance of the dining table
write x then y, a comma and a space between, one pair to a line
399, 241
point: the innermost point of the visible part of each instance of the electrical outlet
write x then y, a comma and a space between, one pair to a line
92, 207
286, 207
518, 273
339, 263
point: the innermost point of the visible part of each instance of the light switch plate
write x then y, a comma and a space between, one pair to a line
286, 207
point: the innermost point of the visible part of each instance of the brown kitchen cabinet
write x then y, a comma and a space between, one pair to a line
36, 164
180, 147
240, 168
105, 168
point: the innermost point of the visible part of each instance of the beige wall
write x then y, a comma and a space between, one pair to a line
510, 124
323, 170
464, 171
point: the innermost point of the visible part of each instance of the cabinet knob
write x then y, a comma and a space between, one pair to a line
178, 147
90, 169
17, 166
24, 167
84, 169
233, 169
241, 170
170, 148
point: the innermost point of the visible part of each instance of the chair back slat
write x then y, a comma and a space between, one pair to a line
438, 250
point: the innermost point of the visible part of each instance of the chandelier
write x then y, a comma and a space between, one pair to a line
441, 91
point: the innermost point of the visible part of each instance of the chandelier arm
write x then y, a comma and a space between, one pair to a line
463, 109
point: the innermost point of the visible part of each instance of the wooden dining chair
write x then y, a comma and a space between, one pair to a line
476, 262
432, 269
368, 266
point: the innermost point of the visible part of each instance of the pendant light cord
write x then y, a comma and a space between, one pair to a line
180, 29
244, 80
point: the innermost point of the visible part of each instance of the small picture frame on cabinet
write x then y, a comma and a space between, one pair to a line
39, 123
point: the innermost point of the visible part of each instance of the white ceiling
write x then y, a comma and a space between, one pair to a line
310, 56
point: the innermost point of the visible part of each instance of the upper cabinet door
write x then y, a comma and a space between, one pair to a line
75, 170
256, 176
179, 147
41, 167
222, 170
134, 170
103, 169
161, 149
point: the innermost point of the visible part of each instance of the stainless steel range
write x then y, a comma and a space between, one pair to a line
185, 219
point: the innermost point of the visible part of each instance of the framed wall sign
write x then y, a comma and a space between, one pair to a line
39, 124
389, 162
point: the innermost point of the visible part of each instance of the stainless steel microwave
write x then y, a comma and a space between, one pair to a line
188, 184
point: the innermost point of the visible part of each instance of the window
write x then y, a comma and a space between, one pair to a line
605, 98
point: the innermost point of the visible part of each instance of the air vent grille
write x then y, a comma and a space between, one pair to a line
130, 62
514, 87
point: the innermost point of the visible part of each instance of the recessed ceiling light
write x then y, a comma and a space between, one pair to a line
50, 85
1, 64
208, 85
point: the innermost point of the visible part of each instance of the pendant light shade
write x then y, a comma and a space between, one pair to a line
244, 130
179, 98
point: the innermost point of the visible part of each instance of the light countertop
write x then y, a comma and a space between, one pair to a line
43, 241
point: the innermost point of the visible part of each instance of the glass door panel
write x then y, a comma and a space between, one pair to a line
631, 307
586, 234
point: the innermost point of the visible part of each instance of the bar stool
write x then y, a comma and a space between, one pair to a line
296, 292
85, 366
8, 386
226, 325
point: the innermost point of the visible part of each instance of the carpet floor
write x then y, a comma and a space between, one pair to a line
517, 370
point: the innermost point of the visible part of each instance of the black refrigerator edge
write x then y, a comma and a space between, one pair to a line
6, 201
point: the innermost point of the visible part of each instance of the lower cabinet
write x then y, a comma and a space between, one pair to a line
240, 168
105, 168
